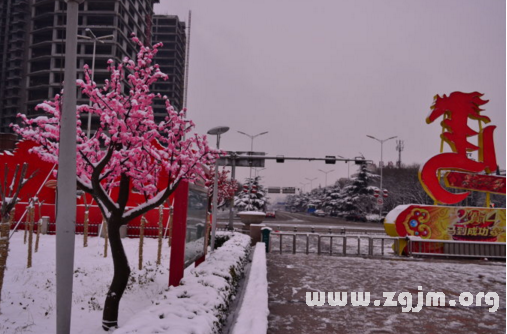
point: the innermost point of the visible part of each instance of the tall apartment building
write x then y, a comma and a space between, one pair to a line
169, 30
32, 46
13, 57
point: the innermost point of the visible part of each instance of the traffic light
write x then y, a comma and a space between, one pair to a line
330, 159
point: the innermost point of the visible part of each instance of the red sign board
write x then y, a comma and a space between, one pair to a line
477, 182
447, 223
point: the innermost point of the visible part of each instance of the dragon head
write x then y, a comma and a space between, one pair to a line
458, 102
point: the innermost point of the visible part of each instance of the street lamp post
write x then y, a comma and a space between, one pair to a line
257, 170
348, 166
304, 186
320, 170
381, 141
311, 182
95, 39
251, 143
217, 131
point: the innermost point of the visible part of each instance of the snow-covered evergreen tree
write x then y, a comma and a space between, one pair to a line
329, 197
319, 198
298, 202
358, 196
253, 197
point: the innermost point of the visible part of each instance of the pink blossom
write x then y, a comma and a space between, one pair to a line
128, 143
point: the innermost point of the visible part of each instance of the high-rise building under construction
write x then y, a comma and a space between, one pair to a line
32, 48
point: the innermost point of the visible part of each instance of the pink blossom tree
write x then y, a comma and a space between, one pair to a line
226, 187
129, 151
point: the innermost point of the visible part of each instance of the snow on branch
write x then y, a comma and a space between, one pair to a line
128, 141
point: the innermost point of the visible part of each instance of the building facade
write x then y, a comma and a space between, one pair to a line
169, 30
32, 46
14, 20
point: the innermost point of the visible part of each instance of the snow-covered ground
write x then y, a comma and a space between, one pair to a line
28, 296
199, 305
291, 276
29, 302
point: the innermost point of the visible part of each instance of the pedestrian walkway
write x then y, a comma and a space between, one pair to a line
290, 276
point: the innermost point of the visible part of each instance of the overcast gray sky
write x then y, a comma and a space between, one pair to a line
321, 75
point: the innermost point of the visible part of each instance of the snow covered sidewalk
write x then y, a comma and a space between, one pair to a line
291, 276
253, 313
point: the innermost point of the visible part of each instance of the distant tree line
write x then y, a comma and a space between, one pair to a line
357, 194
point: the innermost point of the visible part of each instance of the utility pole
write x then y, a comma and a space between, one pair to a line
66, 179
399, 147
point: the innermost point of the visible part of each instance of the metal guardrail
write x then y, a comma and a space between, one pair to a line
454, 248
330, 230
315, 229
346, 240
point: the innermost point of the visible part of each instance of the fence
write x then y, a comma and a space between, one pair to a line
94, 228
453, 248
326, 229
315, 229
334, 244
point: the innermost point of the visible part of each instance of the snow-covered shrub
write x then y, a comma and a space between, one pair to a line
199, 304
253, 197
220, 239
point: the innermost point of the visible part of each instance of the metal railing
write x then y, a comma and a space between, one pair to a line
330, 230
454, 248
94, 229
334, 244
316, 229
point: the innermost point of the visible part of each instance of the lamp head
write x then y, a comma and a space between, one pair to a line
218, 130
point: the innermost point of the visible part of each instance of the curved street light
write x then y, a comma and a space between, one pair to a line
251, 143
252, 137
320, 170
311, 182
257, 170
381, 141
95, 39
304, 186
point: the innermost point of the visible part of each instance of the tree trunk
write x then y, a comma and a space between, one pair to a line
5, 228
120, 277
141, 242
160, 234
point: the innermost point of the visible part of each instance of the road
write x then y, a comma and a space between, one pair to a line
289, 218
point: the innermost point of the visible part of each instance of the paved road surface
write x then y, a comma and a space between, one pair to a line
289, 218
